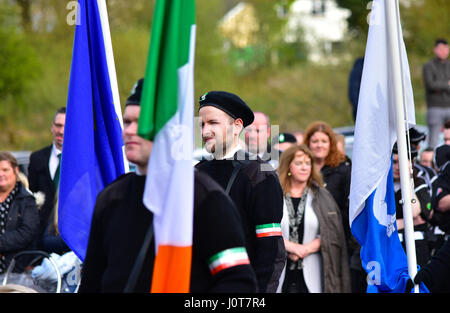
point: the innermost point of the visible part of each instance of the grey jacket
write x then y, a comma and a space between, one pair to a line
333, 245
436, 75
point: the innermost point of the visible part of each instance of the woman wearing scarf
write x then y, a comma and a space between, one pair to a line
312, 229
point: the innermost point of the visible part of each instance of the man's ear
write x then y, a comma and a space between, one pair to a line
239, 124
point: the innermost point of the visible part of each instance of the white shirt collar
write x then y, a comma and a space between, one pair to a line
53, 162
230, 153
55, 150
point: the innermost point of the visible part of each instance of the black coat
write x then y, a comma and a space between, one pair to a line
119, 226
22, 225
441, 188
337, 182
436, 274
40, 180
258, 196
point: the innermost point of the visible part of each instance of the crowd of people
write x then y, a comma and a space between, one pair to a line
271, 211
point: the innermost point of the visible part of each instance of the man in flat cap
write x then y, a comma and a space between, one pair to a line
254, 188
121, 223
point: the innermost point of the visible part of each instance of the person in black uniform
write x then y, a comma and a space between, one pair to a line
434, 235
425, 172
441, 190
436, 274
253, 185
421, 207
120, 223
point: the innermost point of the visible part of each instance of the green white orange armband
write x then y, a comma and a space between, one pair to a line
228, 258
268, 230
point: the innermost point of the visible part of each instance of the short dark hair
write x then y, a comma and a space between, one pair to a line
447, 124
6, 156
440, 41
61, 110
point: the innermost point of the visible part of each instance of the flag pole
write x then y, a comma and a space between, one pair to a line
405, 178
111, 68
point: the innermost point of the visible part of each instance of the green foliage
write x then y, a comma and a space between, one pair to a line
35, 61
19, 68
357, 21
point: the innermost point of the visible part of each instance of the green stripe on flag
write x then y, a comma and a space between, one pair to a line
171, 31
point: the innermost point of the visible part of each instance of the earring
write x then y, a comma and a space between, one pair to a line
289, 174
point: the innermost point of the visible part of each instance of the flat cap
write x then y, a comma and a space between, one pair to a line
229, 103
135, 95
416, 136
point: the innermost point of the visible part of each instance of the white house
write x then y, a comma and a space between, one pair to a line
323, 24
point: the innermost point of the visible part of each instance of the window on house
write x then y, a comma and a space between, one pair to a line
318, 7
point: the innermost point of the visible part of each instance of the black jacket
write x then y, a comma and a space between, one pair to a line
119, 226
40, 180
441, 188
436, 274
22, 225
337, 182
258, 196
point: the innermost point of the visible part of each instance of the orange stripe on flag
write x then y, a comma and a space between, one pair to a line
172, 269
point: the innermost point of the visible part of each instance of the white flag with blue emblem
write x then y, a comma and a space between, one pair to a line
372, 201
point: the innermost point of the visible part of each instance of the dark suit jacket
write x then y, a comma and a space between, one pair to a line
40, 180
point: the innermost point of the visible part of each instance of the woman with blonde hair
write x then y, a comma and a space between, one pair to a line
311, 227
19, 219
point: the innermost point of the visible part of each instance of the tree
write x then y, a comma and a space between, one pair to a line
357, 21
18, 68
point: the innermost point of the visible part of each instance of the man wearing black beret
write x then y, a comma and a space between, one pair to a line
254, 188
120, 225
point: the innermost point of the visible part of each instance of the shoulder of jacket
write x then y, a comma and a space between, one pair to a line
204, 183
257, 172
322, 194
24, 192
41, 151
114, 188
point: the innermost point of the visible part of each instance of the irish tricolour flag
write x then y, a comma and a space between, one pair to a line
166, 118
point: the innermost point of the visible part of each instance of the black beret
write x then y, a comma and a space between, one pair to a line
442, 155
416, 136
229, 103
135, 96
286, 137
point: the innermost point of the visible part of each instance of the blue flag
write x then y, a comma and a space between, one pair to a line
92, 154
372, 201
